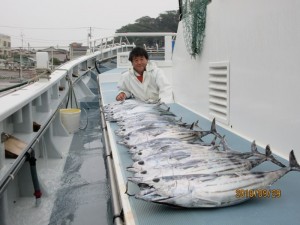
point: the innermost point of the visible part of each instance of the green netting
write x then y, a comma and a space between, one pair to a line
193, 20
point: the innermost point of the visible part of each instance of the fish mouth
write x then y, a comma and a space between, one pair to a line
132, 169
144, 186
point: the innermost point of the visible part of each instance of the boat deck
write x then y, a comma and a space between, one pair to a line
77, 188
281, 210
84, 194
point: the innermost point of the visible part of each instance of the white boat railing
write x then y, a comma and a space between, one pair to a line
110, 42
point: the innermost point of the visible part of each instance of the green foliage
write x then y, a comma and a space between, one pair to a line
165, 22
56, 61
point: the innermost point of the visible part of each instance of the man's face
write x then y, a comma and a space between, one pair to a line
139, 64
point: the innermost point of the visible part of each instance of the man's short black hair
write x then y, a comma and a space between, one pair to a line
138, 51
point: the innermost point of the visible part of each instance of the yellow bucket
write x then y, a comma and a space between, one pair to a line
70, 118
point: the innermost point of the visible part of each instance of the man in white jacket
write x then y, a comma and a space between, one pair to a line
144, 80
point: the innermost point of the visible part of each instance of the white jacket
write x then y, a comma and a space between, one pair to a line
155, 85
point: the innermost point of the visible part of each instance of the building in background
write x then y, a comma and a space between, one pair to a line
59, 55
76, 50
5, 46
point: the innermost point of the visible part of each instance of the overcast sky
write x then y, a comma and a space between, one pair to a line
44, 23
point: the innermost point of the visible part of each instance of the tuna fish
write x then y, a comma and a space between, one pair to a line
211, 190
174, 166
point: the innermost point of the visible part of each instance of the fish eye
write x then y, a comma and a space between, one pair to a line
127, 138
139, 153
141, 162
144, 172
156, 180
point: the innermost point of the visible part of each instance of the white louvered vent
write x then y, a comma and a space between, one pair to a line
219, 91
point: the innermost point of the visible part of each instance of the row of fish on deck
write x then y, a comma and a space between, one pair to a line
180, 164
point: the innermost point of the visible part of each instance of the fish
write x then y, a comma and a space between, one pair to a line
174, 166
184, 135
136, 112
124, 111
159, 133
210, 190
147, 125
206, 160
146, 118
157, 145
121, 105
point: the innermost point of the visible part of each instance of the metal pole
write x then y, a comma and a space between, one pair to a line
52, 59
21, 75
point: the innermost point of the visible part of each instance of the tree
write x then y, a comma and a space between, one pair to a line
56, 61
165, 22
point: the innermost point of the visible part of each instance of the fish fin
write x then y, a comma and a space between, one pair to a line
180, 119
213, 126
268, 151
293, 162
157, 198
213, 129
196, 124
223, 142
271, 158
192, 126
206, 201
254, 148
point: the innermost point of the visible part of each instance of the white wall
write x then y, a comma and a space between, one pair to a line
261, 41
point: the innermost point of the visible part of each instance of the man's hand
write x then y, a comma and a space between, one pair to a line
121, 96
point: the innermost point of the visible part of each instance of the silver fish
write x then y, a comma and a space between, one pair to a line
176, 133
210, 190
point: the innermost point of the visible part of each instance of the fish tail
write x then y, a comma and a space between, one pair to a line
294, 165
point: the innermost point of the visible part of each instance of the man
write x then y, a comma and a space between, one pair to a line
144, 80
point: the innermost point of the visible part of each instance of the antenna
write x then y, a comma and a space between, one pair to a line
89, 37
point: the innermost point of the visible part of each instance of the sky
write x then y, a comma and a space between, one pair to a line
44, 23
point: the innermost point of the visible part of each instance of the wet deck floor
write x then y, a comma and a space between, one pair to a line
84, 196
